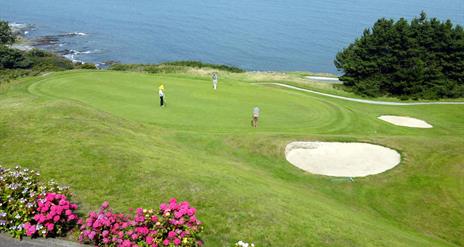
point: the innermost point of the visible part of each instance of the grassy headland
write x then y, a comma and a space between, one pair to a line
103, 133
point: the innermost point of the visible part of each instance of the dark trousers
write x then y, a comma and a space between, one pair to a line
161, 100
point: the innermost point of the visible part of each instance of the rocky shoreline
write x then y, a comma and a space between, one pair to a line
56, 43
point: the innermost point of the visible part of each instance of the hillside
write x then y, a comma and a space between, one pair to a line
103, 133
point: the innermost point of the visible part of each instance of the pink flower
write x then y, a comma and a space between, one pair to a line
41, 218
191, 211
149, 240
92, 234
184, 233
30, 229
50, 197
142, 230
154, 218
166, 242
105, 205
176, 241
56, 218
171, 234
193, 219
50, 227
89, 222
178, 215
126, 243
173, 206
163, 206
139, 219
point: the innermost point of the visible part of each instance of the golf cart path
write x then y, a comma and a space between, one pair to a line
365, 101
7, 241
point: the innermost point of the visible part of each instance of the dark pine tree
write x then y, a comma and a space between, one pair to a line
423, 58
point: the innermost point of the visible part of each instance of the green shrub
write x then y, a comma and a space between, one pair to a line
171, 67
86, 66
47, 61
126, 67
198, 64
13, 58
6, 35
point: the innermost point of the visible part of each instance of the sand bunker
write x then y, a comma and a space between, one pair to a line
405, 121
341, 159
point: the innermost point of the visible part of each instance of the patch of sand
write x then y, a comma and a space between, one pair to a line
405, 121
324, 79
341, 159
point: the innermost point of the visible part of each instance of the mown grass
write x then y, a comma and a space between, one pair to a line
104, 134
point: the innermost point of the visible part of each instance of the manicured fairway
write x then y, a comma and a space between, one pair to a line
104, 134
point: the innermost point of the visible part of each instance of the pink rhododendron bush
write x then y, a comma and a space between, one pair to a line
30, 207
20, 193
54, 216
173, 224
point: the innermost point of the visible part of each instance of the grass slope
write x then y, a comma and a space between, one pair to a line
104, 134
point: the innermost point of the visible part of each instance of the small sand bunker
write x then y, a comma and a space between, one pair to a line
341, 159
405, 121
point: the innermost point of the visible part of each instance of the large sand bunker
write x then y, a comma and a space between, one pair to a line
405, 121
341, 159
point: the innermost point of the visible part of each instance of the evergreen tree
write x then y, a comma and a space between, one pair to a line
423, 58
6, 35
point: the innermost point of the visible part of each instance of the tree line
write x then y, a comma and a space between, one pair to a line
421, 58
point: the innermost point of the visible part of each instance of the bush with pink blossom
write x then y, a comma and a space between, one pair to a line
104, 228
34, 208
174, 224
19, 191
54, 216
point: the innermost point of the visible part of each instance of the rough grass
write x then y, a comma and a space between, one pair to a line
104, 134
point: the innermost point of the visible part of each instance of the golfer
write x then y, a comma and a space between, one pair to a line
161, 94
215, 80
254, 121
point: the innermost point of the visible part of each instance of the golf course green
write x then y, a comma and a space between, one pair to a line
104, 134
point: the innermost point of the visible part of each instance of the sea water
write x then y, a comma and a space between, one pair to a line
282, 35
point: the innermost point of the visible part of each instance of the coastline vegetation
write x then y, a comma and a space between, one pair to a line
174, 66
421, 59
15, 63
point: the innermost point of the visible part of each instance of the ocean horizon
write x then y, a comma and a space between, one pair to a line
258, 35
